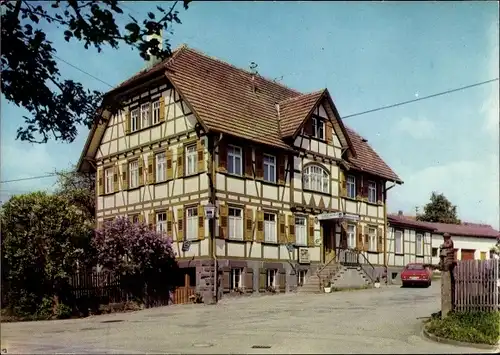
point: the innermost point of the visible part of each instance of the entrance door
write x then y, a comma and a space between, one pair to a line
329, 241
468, 254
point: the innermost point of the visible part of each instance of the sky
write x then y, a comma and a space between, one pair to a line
368, 55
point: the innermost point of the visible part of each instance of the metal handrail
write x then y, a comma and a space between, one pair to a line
367, 262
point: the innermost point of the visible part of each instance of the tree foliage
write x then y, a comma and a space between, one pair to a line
43, 239
132, 248
78, 189
439, 209
30, 74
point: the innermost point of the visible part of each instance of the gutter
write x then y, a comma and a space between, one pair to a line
211, 197
385, 222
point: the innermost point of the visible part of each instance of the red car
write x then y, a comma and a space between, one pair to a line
416, 274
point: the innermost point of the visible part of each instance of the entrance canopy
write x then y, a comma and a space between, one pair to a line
338, 216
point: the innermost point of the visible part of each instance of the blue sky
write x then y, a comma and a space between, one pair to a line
368, 54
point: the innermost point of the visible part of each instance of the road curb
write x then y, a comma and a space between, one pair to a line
437, 339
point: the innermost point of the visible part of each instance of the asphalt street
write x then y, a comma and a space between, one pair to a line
386, 320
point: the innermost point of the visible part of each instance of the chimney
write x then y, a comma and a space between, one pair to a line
400, 213
152, 59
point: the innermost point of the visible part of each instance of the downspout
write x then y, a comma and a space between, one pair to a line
212, 199
385, 222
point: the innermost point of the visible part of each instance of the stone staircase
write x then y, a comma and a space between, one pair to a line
315, 280
351, 277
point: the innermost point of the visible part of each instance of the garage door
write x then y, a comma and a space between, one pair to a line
468, 254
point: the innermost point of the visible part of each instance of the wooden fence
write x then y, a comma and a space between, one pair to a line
105, 288
477, 285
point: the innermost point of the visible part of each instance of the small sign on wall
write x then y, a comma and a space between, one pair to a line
304, 256
186, 245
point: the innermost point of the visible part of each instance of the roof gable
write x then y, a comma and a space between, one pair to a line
294, 111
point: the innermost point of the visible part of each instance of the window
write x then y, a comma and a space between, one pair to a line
434, 252
270, 228
483, 255
134, 120
133, 169
300, 230
235, 223
191, 161
134, 218
301, 277
351, 186
372, 239
351, 236
161, 164
108, 184
145, 115
271, 277
192, 223
156, 112
419, 248
269, 168
398, 235
234, 160
318, 128
315, 178
372, 192
161, 223
236, 278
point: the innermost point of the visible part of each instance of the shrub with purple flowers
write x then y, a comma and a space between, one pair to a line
143, 258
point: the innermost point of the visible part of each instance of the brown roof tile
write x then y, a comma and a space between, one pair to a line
368, 160
294, 110
234, 101
464, 229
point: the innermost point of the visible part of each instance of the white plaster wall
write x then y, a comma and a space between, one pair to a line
464, 242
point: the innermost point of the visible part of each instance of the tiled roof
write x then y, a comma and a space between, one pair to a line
402, 220
464, 229
293, 111
367, 159
236, 102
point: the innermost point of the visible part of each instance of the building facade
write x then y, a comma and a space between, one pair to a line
291, 185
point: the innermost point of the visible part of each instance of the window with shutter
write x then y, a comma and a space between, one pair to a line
235, 219
191, 223
201, 222
223, 212
133, 169
249, 224
201, 156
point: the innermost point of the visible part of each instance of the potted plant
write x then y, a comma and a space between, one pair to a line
377, 282
327, 287
271, 289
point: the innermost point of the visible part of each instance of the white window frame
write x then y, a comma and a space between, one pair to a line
419, 244
235, 156
235, 223
270, 228
351, 236
269, 162
161, 167
155, 116
236, 278
351, 186
133, 169
372, 192
134, 120
316, 178
372, 239
161, 223
301, 279
145, 117
300, 230
271, 277
109, 187
318, 128
191, 159
191, 223
398, 242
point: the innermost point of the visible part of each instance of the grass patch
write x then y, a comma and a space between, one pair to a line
339, 289
473, 327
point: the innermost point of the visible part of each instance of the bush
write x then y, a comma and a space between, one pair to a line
471, 327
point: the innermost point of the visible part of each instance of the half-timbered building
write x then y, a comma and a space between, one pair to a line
291, 184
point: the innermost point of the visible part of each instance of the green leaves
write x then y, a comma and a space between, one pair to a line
58, 106
439, 209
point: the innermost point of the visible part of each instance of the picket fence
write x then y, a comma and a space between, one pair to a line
477, 285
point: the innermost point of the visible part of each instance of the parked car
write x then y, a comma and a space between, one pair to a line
416, 274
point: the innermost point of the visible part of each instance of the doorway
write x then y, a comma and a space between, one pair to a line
328, 241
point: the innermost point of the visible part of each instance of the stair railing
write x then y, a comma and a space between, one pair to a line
367, 264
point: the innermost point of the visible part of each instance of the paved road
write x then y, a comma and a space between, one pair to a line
386, 320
